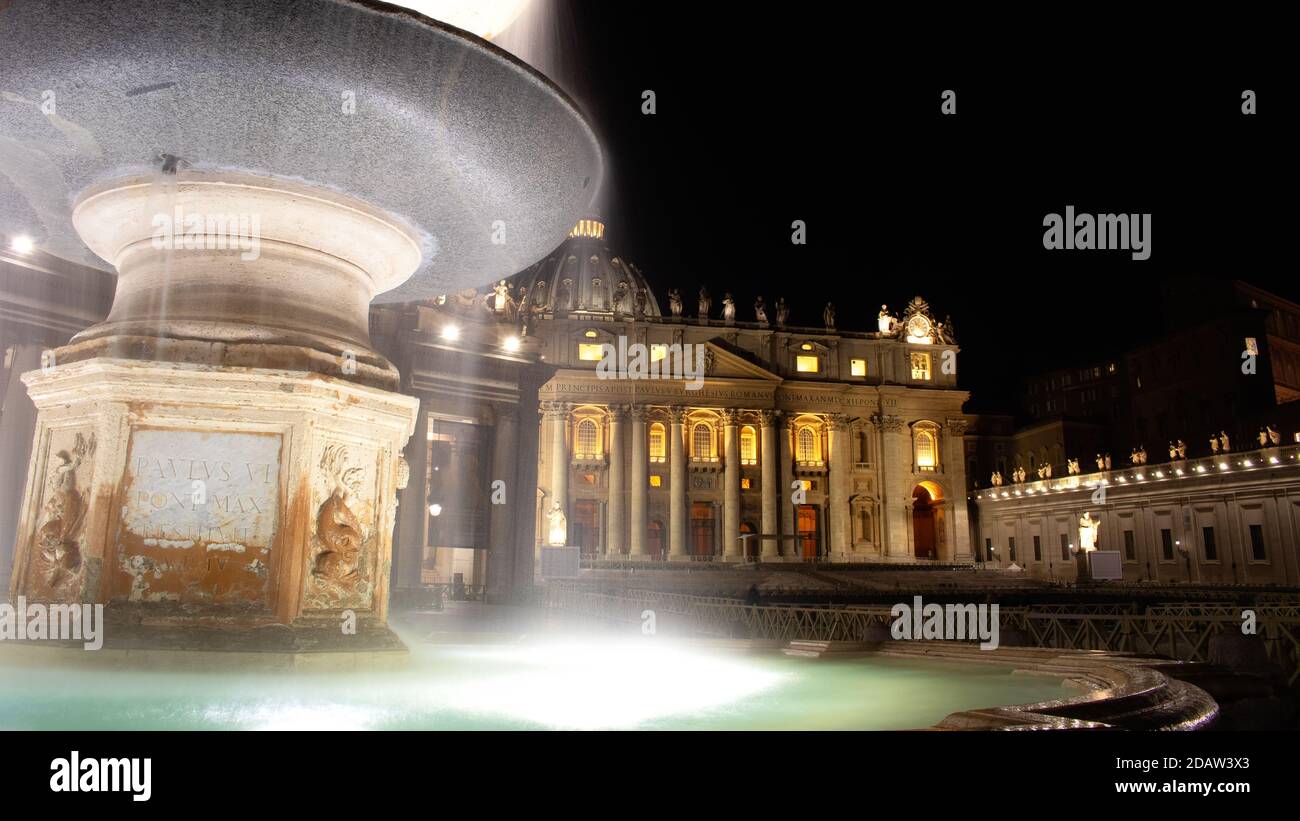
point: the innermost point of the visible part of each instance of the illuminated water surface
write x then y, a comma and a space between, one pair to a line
543, 684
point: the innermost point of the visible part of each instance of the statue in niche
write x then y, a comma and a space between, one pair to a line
557, 526
706, 304
337, 525
564, 298
760, 311
675, 302
828, 316
728, 309
1089, 531
539, 296
58, 538
782, 312
620, 305
1274, 437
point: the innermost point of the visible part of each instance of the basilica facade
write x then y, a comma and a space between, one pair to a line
737, 436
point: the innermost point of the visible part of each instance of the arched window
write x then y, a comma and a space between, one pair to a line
748, 446
806, 444
925, 441
702, 441
588, 438
657, 439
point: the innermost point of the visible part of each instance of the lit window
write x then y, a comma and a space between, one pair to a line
590, 334
1252, 346
858, 367
702, 441
926, 451
748, 446
658, 351
920, 365
589, 478
806, 445
806, 364
657, 442
656, 480
807, 346
806, 483
744, 483
588, 438
591, 351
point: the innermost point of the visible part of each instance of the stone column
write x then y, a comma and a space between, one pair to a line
17, 427
413, 507
501, 522
677, 483
640, 483
769, 547
788, 547
895, 492
557, 413
616, 525
841, 479
955, 469
731, 548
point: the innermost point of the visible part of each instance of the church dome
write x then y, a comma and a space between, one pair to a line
583, 276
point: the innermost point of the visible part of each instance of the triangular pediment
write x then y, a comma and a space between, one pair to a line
725, 361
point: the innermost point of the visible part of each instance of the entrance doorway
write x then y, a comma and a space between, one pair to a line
807, 518
584, 528
925, 520
702, 528
655, 539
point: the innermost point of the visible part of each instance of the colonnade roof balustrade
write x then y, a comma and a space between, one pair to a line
1232, 463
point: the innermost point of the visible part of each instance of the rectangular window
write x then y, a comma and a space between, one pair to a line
745, 484
1130, 550
1167, 544
1211, 549
591, 351
920, 365
1257, 551
806, 364
656, 480
988, 549
1011, 548
658, 351
1038, 549
858, 367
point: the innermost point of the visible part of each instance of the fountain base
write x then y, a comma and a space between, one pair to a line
232, 497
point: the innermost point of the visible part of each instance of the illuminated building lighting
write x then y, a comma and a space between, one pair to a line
451, 332
435, 509
1272, 460
1223, 466
1248, 463
511, 343
23, 244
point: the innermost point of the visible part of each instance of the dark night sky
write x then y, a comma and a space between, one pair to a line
762, 120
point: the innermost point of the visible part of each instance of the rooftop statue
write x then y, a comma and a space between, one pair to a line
782, 312
760, 311
675, 301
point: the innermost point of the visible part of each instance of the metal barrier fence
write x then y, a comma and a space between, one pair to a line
1175, 631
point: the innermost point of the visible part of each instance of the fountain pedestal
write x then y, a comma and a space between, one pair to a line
226, 447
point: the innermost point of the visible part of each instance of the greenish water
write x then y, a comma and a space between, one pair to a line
646, 684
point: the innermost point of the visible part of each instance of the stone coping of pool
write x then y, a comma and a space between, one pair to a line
1119, 691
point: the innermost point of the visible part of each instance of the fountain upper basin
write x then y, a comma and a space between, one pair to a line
450, 135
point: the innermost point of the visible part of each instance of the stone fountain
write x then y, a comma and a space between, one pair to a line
225, 448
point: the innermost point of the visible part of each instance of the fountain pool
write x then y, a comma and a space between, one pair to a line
544, 683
